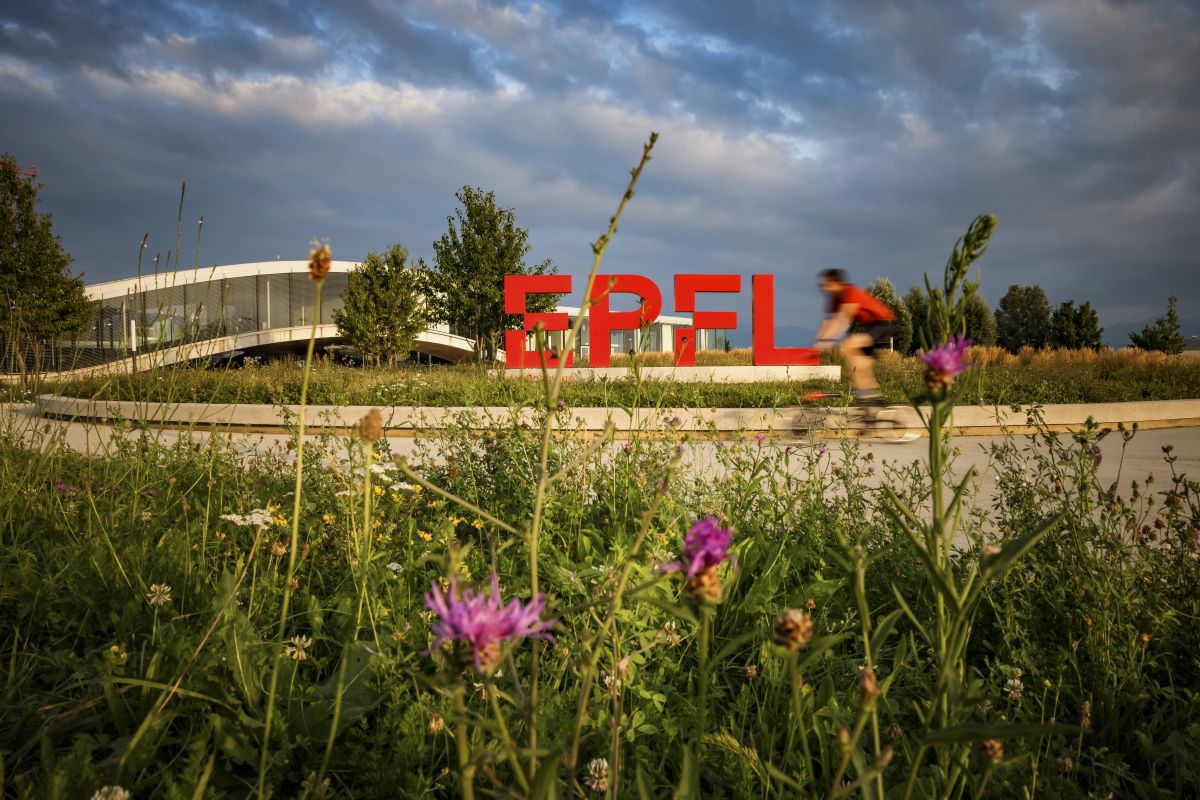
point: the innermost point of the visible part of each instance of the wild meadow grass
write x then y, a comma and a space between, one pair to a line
1100, 615
521, 613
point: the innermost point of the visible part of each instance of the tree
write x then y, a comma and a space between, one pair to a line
1022, 318
917, 304
1074, 328
1165, 335
482, 246
916, 301
384, 306
981, 322
41, 302
883, 290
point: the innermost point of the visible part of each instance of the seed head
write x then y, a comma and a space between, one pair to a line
793, 629
437, 723
370, 427
319, 261
990, 750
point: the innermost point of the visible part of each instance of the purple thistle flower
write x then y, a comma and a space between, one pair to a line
706, 545
946, 362
482, 621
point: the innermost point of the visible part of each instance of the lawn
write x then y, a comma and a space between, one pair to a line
1055, 376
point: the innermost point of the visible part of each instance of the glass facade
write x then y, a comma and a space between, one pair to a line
658, 337
175, 315
172, 315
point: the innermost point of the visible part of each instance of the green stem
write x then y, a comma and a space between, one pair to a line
701, 696
292, 551
860, 591
937, 543
847, 750
544, 476
502, 726
798, 710
466, 769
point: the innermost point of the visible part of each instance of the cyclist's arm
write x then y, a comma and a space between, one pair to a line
836, 324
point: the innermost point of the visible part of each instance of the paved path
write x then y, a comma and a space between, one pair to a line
1143, 455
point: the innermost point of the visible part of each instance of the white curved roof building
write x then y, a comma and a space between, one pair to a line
260, 307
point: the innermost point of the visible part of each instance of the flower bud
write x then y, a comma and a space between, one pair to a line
868, 687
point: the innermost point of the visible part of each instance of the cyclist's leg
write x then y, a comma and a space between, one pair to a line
856, 349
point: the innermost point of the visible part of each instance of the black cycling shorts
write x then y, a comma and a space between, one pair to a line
882, 335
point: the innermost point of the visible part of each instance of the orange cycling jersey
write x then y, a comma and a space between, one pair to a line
870, 309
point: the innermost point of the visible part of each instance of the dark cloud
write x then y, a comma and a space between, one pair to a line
794, 136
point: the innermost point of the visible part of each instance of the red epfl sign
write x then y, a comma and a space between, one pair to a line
603, 320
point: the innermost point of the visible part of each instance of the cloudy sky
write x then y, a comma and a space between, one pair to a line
794, 135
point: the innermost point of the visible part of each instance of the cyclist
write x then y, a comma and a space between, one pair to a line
851, 306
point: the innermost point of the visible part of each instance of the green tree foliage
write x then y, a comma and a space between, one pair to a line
384, 306
1022, 318
1075, 328
916, 301
1165, 335
41, 302
482, 246
884, 291
981, 322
